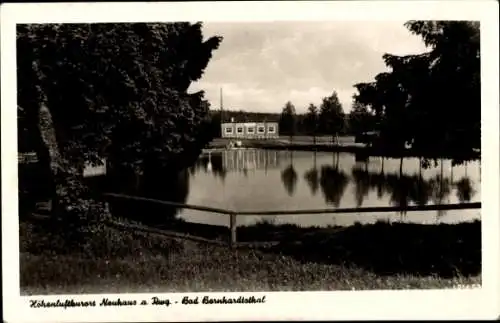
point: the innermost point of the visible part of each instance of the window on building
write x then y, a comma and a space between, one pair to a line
229, 130
239, 129
270, 129
261, 130
250, 130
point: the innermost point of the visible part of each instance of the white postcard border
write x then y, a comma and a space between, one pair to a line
450, 304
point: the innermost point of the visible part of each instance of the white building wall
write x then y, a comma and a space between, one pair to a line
250, 130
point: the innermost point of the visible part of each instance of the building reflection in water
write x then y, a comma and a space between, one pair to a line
240, 160
250, 159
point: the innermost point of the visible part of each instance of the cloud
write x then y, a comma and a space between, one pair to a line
261, 66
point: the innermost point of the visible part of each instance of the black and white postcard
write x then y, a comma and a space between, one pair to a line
221, 161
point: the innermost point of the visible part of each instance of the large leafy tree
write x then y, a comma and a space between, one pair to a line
288, 120
454, 82
311, 121
431, 100
360, 119
331, 115
115, 91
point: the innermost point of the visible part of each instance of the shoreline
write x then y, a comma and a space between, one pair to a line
364, 151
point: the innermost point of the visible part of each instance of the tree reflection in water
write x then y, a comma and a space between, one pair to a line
333, 182
421, 191
441, 188
154, 187
363, 183
289, 177
465, 191
407, 189
399, 189
215, 160
218, 166
378, 179
312, 177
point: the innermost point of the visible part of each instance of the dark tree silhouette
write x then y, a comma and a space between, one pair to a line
331, 115
361, 119
288, 120
79, 103
311, 121
416, 102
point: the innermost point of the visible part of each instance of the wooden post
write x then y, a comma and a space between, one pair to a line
232, 226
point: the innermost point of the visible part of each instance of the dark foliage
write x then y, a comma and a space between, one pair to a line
88, 92
430, 100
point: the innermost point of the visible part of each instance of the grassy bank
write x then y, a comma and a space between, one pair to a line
130, 261
384, 248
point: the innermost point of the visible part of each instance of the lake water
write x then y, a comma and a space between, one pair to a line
249, 180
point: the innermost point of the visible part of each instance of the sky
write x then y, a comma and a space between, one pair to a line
262, 65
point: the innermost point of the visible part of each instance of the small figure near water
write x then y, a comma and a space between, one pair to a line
234, 144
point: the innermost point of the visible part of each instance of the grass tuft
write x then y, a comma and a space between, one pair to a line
115, 261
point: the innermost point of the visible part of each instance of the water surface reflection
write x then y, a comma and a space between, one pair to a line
285, 180
323, 180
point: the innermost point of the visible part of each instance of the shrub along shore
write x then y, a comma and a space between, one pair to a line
370, 256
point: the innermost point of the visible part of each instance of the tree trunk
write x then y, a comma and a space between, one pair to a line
441, 162
53, 156
451, 175
420, 167
440, 212
401, 167
49, 149
59, 168
70, 201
